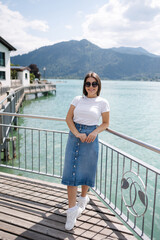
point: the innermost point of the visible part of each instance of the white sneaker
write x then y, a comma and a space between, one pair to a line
82, 202
72, 215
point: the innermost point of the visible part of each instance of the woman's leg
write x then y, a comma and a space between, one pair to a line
72, 194
74, 211
84, 198
84, 190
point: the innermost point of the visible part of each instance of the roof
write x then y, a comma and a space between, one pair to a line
6, 44
20, 68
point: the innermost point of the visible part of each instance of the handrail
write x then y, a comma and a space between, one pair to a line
24, 87
130, 139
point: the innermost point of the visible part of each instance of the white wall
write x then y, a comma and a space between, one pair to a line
6, 68
22, 76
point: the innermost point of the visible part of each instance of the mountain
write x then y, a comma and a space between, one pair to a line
135, 51
73, 59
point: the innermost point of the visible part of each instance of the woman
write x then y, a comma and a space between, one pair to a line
82, 147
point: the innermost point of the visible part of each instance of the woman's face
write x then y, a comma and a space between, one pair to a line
91, 86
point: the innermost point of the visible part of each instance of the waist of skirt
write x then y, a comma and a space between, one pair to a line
82, 126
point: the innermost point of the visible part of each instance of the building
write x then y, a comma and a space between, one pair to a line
22, 76
5, 49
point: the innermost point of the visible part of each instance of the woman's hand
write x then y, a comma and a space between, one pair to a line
82, 137
91, 137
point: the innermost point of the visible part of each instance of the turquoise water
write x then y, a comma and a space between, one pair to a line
135, 111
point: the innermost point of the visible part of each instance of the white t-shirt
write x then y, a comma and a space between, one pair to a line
89, 110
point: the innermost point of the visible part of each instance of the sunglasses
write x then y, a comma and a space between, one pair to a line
88, 84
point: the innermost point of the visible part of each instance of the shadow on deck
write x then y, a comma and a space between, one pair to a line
33, 209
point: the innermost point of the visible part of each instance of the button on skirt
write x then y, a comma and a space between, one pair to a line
80, 159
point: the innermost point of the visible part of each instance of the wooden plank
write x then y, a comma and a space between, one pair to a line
22, 232
31, 218
8, 236
40, 207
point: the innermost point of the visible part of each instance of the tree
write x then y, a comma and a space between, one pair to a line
32, 77
14, 74
35, 70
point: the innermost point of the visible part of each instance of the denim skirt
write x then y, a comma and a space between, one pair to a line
80, 159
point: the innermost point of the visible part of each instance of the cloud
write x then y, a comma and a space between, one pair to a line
125, 23
15, 29
38, 25
139, 11
69, 27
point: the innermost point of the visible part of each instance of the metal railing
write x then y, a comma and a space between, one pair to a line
13, 101
129, 186
3, 90
40, 88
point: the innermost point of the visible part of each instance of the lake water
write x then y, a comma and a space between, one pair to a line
135, 111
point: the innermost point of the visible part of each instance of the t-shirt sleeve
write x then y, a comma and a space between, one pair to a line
105, 106
75, 101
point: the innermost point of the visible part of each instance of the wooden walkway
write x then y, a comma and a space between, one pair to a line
33, 209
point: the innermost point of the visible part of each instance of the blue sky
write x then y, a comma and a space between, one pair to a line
30, 24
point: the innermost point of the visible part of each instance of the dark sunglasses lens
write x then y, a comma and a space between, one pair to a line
87, 84
94, 84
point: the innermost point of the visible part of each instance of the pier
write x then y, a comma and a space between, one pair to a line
34, 209
11, 101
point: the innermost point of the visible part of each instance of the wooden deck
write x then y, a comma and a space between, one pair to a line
33, 209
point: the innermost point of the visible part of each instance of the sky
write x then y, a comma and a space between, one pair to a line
30, 24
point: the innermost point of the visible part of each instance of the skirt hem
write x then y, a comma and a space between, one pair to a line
77, 184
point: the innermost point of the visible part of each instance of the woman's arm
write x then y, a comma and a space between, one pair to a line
71, 125
105, 124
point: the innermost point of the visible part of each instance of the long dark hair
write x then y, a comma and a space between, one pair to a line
96, 77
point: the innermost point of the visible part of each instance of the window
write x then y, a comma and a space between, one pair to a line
26, 76
2, 59
2, 75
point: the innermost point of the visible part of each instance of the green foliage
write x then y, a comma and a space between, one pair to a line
32, 77
34, 70
11, 64
14, 74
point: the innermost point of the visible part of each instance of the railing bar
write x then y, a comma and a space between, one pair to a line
111, 175
130, 164
25, 150
11, 147
32, 147
135, 220
122, 174
19, 156
106, 165
61, 158
143, 219
127, 215
117, 180
33, 116
133, 140
154, 204
30, 171
53, 151
36, 129
101, 169
5, 152
138, 169
39, 151
46, 154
